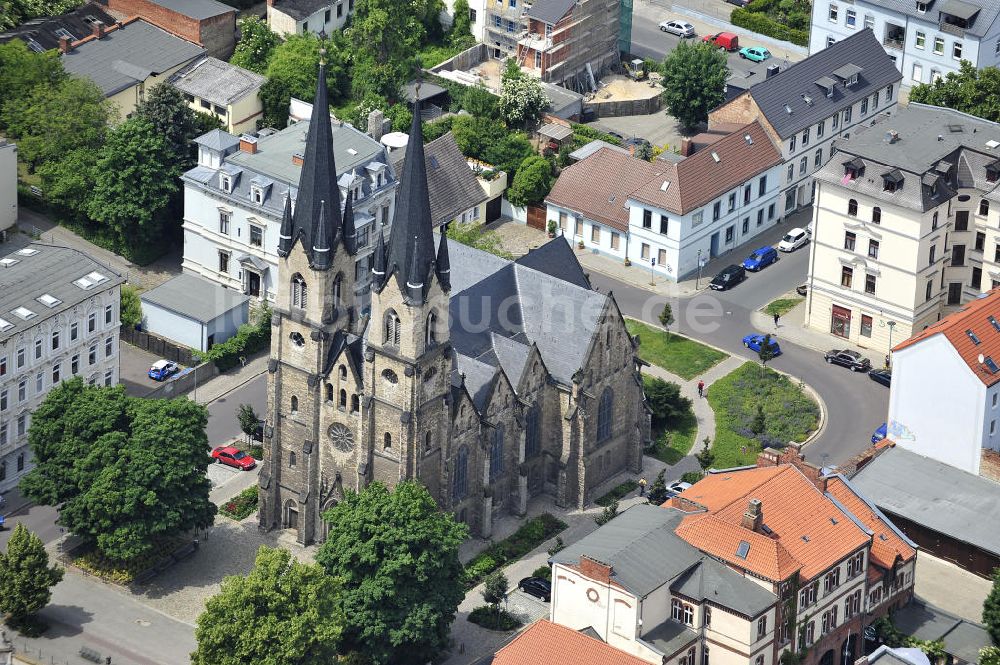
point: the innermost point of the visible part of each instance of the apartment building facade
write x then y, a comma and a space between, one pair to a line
926, 39
905, 226
8, 187
296, 17
59, 318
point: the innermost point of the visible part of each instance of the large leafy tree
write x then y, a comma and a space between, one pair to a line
69, 181
665, 400
991, 608
123, 472
293, 71
15, 12
165, 109
21, 70
131, 306
25, 576
522, 100
397, 555
461, 25
533, 181
287, 613
694, 82
256, 46
970, 90
385, 36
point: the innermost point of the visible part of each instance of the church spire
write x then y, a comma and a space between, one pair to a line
378, 262
416, 276
350, 232
285, 234
442, 265
321, 240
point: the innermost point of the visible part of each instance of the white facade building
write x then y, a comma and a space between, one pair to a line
59, 318
926, 39
8, 186
295, 17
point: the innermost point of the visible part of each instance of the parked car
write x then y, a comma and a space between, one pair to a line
679, 28
739, 3
760, 258
162, 370
537, 587
232, 456
880, 433
678, 486
882, 376
636, 141
755, 53
726, 40
728, 278
802, 289
793, 240
852, 360
755, 341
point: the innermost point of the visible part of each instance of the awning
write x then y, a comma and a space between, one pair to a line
257, 264
959, 9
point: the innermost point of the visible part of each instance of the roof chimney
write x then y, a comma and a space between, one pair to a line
297, 159
754, 516
686, 147
65, 44
595, 570
771, 71
376, 124
97, 29
248, 144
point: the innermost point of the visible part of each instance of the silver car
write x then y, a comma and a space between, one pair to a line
679, 28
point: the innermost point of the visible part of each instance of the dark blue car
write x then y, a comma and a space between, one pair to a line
754, 342
879, 434
760, 258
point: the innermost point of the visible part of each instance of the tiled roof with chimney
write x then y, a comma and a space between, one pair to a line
974, 332
43, 33
552, 644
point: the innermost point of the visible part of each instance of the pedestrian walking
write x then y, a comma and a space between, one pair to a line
887, 362
776, 317
701, 387
642, 487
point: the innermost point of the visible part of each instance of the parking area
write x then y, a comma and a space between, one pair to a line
134, 364
527, 609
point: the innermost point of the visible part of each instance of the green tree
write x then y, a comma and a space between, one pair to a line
397, 555
495, 589
705, 456
473, 235
991, 608
657, 494
428, 13
248, 419
68, 182
989, 656
100, 461
15, 12
759, 423
479, 101
609, 513
665, 401
256, 46
385, 36
461, 26
766, 353
694, 80
532, 183
970, 90
286, 612
22, 70
667, 316
293, 70
131, 306
25, 576
166, 110
522, 100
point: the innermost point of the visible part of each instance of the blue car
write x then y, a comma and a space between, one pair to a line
754, 342
162, 370
879, 434
760, 258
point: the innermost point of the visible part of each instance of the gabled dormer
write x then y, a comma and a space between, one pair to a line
854, 168
229, 178
377, 174
892, 181
260, 189
993, 171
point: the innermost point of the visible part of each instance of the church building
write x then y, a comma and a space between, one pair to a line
490, 381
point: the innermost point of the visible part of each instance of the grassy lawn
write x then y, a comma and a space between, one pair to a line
676, 441
679, 355
782, 306
789, 414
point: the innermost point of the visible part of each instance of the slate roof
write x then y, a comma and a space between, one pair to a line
42, 30
556, 258
988, 12
196, 9
552, 644
962, 639
217, 139
453, 186
549, 11
216, 81
788, 86
975, 317
128, 55
213, 300
52, 270
933, 494
300, 9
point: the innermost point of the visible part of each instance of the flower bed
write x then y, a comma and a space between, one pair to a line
242, 505
92, 561
617, 493
491, 619
532, 533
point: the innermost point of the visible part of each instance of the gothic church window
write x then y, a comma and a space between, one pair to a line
391, 328
343, 398
387, 442
496, 453
337, 284
431, 333
460, 481
291, 459
343, 372
298, 292
355, 405
604, 414
295, 405
389, 376
532, 432
329, 392
427, 441
297, 339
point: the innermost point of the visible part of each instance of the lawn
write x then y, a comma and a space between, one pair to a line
782, 306
675, 442
678, 355
789, 414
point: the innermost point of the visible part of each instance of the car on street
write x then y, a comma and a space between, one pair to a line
162, 370
679, 28
883, 376
232, 456
755, 53
755, 342
802, 289
729, 277
852, 360
725, 40
794, 239
760, 258
880, 433
537, 587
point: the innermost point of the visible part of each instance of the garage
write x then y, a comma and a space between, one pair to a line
194, 312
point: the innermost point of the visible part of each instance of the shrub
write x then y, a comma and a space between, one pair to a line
692, 477
545, 572
486, 617
256, 451
617, 493
608, 514
249, 338
765, 25
531, 534
242, 505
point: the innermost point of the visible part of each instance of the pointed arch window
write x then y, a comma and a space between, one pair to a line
295, 405
387, 441
430, 335
338, 284
427, 441
343, 398
496, 452
460, 479
391, 328
355, 404
605, 412
298, 292
343, 372
532, 432
329, 392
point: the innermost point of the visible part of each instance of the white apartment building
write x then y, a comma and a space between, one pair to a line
295, 17
668, 214
8, 186
807, 107
926, 39
906, 226
59, 318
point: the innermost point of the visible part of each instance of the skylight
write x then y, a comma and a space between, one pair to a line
743, 549
23, 312
27, 251
48, 300
994, 323
992, 365
5, 325
972, 336
715, 156
7, 262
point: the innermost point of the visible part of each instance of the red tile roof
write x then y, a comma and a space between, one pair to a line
975, 317
886, 543
551, 644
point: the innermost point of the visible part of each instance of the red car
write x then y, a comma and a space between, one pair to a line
234, 457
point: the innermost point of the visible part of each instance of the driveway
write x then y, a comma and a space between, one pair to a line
133, 368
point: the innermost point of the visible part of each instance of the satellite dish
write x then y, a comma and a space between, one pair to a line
981, 359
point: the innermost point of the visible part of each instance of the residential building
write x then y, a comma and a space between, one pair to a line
552, 644
169, 311
944, 402
43, 34
235, 199
295, 17
926, 39
962, 639
459, 378
58, 319
945, 510
8, 187
743, 566
905, 225
208, 23
667, 215
127, 59
504, 22
222, 90
805, 107
899, 656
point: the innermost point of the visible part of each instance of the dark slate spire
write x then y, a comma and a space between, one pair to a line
350, 232
442, 266
318, 181
378, 262
321, 259
412, 228
416, 276
285, 234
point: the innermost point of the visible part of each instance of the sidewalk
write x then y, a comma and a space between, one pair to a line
223, 384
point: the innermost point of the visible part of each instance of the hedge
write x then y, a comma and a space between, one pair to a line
756, 21
249, 338
532, 533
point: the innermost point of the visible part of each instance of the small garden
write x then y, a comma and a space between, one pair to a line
787, 20
757, 408
242, 505
678, 355
532, 533
782, 306
674, 423
617, 493
491, 616
93, 562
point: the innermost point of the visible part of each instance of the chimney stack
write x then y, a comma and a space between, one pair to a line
376, 124
65, 44
297, 159
754, 516
686, 147
771, 71
595, 570
97, 29
248, 144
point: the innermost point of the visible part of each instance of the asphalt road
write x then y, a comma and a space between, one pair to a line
648, 41
222, 423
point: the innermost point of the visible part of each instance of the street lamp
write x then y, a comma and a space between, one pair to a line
697, 281
891, 324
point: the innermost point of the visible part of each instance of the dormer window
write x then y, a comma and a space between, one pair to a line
892, 181
848, 74
993, 172
921, 7
257, 194
854, 169
227, 183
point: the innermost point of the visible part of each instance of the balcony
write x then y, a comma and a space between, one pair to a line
895, 36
